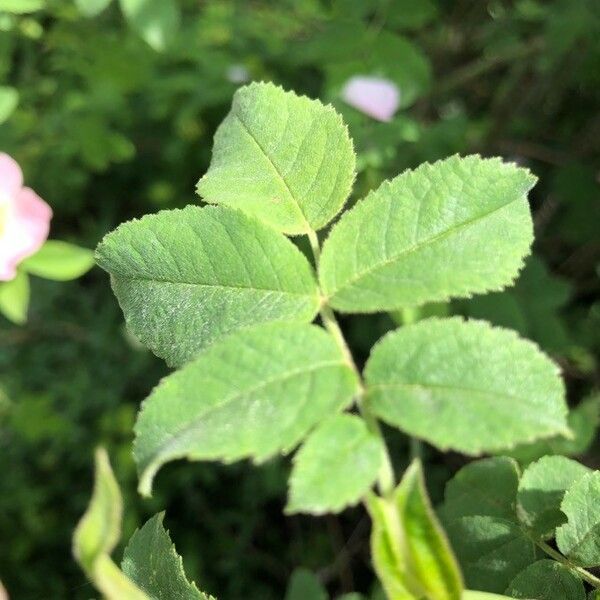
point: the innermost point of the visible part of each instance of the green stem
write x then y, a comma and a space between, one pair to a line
386, 480
585, 575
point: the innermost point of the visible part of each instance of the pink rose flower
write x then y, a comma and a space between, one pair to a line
24, 218
374, 96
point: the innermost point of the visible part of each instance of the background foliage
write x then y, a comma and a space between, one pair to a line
111, 107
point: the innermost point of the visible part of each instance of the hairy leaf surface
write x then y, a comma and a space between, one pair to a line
255, 393
491, 551
579, 538
284, 158
151, 561
484, 487
542, 489
456, 385
335, 466
450, 229
547, 580
186, 277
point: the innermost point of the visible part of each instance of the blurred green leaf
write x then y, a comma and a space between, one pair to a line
410, 551
99, 531
91, 8
20, 7
156, 21
9, 99
14, 298
583, 422
304, 585
59, 261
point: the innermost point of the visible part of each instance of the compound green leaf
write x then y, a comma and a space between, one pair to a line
541, 490
14, 298
305, 585
255, 393
454, 384
411, 554
98, 533
186, 277
284, 158
491, 551
449, 229
335, 467
484, 487
155, 21
59, 261
547, 580
151, 561
579, 538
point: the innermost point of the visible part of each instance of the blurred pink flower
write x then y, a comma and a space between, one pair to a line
377, 97
24, 218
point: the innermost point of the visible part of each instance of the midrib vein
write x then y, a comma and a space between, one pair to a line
239, 288
275, 168
174, 438
415, 247
451, 388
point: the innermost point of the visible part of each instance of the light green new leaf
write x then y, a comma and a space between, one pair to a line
98, 533
335, 467
9, 99
185, 278
454, 384
286, 159
155, 21
255, 393
14, 298
91, 8
450, 229
410, 551
547, 580
541, 490
579, 538
21, 7
484, 487
491, 551
151, 561
305, 585
59, 261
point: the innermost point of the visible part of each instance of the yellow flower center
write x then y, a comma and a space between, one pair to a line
4, 210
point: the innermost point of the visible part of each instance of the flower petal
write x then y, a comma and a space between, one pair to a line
11, 176
377, 97
25, 232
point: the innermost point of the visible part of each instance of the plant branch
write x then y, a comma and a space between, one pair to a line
386, 479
